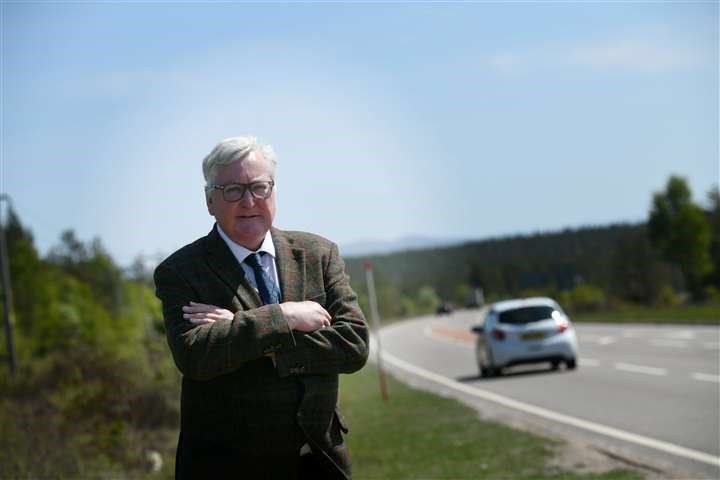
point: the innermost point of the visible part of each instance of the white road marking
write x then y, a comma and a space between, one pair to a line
606, 340
669, 343
554, 416
682, 334
589, 362
706, 377
629, 367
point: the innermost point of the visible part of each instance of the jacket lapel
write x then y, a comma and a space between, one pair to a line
222, 261
291, 266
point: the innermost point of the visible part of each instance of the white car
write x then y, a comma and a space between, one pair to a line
529, 330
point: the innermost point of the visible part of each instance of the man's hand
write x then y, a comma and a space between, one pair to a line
305, 316
200, 313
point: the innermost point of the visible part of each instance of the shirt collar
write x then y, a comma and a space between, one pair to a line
241, 252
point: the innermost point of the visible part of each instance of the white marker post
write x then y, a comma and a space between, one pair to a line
375, 316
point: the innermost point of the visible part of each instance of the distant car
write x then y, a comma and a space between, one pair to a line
445, 308
530, 330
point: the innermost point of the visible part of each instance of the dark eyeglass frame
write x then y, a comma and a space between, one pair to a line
244, 187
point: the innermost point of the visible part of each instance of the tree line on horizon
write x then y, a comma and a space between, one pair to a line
671, 259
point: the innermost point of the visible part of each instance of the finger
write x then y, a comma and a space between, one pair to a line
201, 321
320, 309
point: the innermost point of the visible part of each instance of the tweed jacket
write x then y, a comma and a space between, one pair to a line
244, 415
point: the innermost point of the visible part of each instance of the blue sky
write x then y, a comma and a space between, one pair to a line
464, 120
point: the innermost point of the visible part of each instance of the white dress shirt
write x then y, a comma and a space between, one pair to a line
267, 261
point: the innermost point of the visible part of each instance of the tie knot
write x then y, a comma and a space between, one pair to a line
254, 260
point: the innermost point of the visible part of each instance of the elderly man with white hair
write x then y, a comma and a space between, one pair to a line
260, 322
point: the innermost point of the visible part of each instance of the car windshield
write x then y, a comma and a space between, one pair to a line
525, 315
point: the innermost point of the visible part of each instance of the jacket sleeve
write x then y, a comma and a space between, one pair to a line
341, 348
203, 352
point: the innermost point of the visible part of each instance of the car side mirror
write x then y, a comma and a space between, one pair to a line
478, 329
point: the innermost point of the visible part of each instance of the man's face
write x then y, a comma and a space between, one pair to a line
246, 221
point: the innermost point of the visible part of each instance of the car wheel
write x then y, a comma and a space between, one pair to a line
487, 370
554, 364
571, 364
492, 370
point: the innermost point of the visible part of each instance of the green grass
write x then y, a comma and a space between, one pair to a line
694, 314
417, 435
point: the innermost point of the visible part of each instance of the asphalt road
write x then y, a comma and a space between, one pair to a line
646, 393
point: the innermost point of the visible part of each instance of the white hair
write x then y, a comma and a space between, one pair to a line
235, 149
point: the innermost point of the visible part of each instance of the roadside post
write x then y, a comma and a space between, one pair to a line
375, 317
7, 290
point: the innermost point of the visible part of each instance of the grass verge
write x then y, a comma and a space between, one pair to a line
417, 435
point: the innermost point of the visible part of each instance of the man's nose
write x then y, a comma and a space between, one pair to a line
247, 200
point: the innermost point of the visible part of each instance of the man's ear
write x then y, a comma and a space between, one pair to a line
208, 202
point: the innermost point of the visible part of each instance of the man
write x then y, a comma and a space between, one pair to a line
260, 322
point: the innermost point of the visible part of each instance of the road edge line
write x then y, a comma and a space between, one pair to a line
557, 417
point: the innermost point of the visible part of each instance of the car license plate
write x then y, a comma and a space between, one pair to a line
533, 336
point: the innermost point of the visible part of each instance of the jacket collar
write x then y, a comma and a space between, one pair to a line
222, 261
290, 265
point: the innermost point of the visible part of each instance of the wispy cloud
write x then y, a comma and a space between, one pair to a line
641, 55
622, 55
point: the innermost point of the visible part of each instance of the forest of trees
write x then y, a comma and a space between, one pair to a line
96, 392
672, 259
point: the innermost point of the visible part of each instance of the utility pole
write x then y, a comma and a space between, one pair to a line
375, 316
7, 289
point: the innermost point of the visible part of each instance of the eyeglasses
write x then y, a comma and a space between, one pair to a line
234, 192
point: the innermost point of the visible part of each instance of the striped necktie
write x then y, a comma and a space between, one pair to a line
269, 293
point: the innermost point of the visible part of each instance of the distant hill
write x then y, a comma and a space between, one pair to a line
380, 247
616, 258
